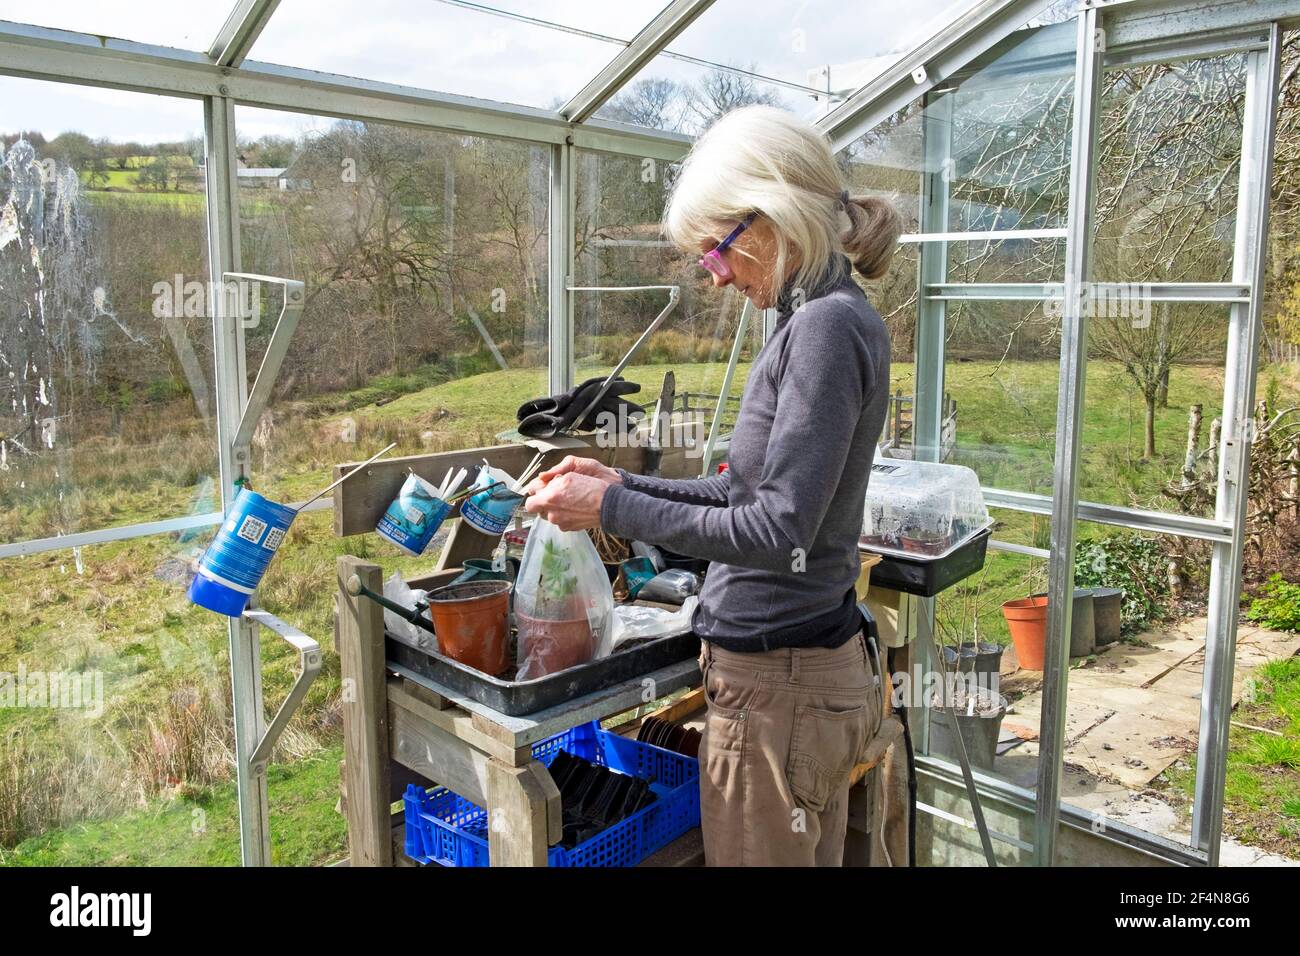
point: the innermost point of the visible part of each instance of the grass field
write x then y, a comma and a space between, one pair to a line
124, 785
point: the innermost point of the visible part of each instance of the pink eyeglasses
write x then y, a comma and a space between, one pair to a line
713, 261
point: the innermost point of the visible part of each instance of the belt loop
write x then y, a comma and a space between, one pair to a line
794, 664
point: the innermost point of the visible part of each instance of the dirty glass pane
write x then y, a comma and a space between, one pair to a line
116, 742
106, 391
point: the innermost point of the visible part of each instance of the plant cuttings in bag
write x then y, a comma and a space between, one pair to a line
563, 602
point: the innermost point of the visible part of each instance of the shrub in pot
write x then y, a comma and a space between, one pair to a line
978, 713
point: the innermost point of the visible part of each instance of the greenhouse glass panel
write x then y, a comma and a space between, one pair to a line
464, 49
116, 738
999, 141
187, 26
1001, 376
1133, 719
1167, 169
619, 204
424, 256
807, 57
1153, 404
107, 414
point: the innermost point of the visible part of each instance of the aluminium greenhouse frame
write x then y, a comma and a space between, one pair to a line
1127, 31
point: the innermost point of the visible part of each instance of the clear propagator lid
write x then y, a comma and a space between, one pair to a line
921, 509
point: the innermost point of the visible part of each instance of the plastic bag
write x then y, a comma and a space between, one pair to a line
563, 602
395, 589
636, 622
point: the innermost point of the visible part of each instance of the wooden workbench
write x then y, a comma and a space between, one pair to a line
400, 727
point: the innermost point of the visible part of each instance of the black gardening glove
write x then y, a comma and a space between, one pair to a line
553, 404
546, 422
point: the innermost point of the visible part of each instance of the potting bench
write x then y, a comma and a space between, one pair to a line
400, 727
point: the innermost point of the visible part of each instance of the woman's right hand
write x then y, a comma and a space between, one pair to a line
578, 466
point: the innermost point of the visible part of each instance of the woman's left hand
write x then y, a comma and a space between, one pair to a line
570, 501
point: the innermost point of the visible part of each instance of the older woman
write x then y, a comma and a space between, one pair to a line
792, 697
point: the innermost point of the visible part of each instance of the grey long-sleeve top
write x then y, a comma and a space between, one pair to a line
781, 525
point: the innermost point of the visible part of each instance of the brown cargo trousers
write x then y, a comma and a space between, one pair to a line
783, 732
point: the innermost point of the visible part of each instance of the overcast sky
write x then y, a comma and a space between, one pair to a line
433, 45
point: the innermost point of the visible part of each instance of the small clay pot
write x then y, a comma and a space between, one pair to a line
472, 623
549, 646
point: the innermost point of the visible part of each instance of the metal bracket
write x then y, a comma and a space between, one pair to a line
295, 299
737, 346
674, 295
309, 658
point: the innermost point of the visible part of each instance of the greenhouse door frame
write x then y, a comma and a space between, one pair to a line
1189, 37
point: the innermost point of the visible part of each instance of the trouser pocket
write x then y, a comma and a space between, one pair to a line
824, 747
728, 696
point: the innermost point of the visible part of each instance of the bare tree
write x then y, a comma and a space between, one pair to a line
719, 92
656, 103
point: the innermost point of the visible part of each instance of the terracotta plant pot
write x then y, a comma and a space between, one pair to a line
1027, 621
472, 623
549, 646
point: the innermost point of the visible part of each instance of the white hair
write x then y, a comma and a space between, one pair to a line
764, 160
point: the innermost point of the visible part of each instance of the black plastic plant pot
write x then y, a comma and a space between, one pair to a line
984, 658
1082, 622
684, 562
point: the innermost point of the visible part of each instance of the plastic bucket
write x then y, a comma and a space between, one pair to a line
490, 511
979, 732
472, 622
232, 566
1107, 615
414, 516
1082, 626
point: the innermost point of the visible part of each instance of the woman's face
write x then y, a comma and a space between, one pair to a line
752, 258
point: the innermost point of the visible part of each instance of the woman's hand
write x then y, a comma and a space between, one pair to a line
572, 465
571, 501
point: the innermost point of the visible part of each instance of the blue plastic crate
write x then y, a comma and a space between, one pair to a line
444, 828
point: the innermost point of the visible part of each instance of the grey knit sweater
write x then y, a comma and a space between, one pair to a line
781, 525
